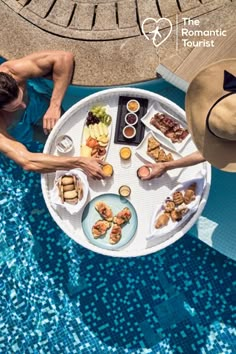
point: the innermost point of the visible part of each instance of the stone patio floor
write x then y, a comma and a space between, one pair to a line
106, 36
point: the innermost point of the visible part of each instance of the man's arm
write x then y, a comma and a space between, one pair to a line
158, 169
44, 163
58, 64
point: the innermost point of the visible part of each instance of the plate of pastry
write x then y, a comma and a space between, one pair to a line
96, 133
152, 150
170, 129
178, 207
109, 221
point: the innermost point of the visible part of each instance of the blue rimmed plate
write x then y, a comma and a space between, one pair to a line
116, 203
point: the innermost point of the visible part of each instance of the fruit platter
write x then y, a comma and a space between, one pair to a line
96, 132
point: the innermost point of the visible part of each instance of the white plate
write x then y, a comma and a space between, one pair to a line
146, 120
172, 227
141, 149
83, 139
56, 200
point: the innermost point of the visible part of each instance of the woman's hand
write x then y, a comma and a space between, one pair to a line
156, 170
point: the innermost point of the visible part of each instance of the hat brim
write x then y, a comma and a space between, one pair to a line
204, 90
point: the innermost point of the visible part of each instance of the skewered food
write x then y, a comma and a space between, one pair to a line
169, 127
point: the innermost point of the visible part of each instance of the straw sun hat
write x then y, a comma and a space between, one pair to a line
211, 113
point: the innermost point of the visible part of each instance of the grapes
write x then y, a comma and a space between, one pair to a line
98, 114
92, 119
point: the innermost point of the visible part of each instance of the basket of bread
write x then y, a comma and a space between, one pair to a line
70, 190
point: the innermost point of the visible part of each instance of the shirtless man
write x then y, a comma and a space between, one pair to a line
13, 75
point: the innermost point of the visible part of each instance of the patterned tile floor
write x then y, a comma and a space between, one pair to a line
57, 297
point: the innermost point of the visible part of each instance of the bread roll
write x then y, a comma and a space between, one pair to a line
70, 194
72, 201
68, 187
67, 180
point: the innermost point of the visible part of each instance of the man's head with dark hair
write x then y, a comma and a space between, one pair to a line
9, 89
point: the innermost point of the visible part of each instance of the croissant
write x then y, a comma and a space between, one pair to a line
189, 194
162, 220
176, 215
169, 206
178, 198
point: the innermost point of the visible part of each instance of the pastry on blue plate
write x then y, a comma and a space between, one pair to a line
100, 228
122, 217
115, 234
104, 210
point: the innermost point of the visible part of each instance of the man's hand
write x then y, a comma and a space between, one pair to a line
157, 170
50, 118
92, 167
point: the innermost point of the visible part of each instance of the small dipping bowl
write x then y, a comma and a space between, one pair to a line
129, 131
133, 106
64, 144
131, 118
124, 191
143, 171
125, 153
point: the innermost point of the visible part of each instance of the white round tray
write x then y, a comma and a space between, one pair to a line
145, 196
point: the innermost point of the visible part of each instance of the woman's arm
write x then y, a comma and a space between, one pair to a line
158, 169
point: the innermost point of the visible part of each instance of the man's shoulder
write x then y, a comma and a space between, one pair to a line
4, 67
9, 68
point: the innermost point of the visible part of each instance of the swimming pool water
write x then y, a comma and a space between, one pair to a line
57, 297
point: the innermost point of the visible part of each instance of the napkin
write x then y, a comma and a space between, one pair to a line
55, 198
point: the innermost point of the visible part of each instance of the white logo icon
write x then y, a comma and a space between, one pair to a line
158, 38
